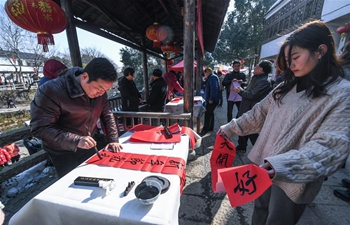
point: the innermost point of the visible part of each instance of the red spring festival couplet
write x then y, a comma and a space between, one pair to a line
223, 156
241, 183
43, 17
244, 184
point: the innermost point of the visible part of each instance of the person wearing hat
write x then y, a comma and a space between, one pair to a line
212, 98
158, 94
52, 68
257, 89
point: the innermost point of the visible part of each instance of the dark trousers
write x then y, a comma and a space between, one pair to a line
209, 116
221, 98
67, 162
230, 105
274, 207
243, 140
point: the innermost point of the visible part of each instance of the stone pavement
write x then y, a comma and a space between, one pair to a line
200, 205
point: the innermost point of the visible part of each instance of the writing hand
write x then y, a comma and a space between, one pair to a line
86, 142
268, 167
114, 147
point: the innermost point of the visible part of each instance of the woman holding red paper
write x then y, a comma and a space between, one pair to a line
303, 125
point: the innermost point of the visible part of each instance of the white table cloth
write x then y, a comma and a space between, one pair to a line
64, 203
177, 107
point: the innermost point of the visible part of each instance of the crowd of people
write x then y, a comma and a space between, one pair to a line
295, 124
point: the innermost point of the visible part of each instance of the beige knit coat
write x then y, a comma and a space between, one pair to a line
304, 139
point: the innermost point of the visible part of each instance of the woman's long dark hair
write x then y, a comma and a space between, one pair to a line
309, 36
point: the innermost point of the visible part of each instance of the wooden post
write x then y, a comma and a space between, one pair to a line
199, 82
189, 29
72, 36
145, 70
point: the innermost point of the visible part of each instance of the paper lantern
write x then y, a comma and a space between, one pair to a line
43, 17
343, 29
177, 48
169, 62
156, 33
167, 48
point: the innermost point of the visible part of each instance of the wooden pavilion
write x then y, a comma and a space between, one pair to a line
194, 24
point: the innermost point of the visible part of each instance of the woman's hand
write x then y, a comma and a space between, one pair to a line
221, 132
268, 167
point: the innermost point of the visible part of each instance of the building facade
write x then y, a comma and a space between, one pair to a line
286, 15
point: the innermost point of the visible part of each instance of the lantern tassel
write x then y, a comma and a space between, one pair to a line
45, 39
156, 44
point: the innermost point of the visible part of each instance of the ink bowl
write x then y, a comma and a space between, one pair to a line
148, 191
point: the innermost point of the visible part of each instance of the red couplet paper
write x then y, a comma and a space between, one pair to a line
176, 100
188, 131
131, 161
154, 135
223, 156
244, 183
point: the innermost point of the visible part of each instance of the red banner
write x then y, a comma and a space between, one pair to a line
223, 156
241, 183
199, 25
149, 163
244, 184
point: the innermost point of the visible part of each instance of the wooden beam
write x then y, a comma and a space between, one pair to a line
98, 31
72, 36
115, 19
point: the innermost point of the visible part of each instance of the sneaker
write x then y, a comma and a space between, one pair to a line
346, 183
342, 194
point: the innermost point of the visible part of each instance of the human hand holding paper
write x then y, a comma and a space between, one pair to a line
242, 183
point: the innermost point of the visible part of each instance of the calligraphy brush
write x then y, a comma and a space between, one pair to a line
96, 150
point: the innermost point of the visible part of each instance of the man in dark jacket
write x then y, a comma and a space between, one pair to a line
234, 76
65, 111
257, 89
212, 98
131, 97
159, 90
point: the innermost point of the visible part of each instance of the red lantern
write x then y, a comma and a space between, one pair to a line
156, 33
43, 17
177, 49
343, 29
168, 63
167, 48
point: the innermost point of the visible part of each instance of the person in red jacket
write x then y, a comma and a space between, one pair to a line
173, 84
4, 157
13, 150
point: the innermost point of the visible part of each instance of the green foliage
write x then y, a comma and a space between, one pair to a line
241, 33
133, 58
208, 60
